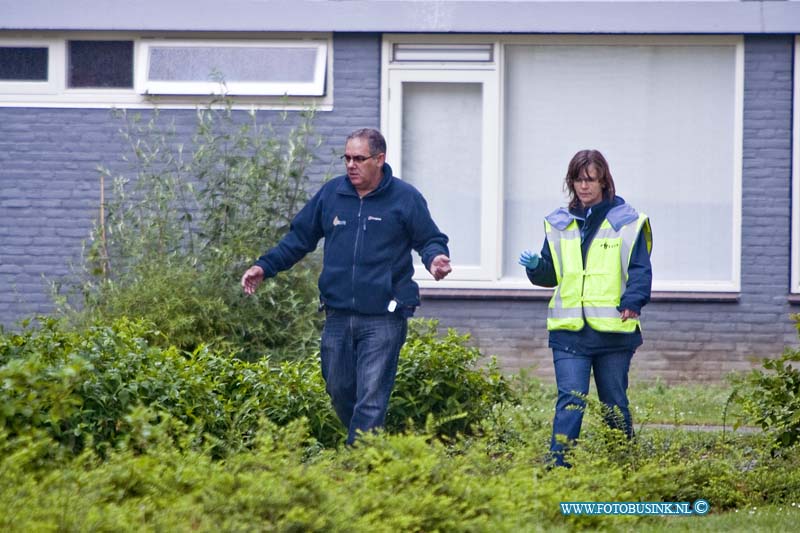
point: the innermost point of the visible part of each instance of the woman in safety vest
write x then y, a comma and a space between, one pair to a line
596, 254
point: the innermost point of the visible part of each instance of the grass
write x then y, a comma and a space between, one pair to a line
751, 519
765, 519
686, 404
655, 402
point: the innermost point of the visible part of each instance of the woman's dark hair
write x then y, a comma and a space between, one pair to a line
578, 165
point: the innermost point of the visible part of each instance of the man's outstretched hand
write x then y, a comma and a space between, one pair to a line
252, 279
440, 267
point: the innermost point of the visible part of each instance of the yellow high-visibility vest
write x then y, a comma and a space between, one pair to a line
593, 293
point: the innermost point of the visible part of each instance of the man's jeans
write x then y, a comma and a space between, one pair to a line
359, 364
572, 375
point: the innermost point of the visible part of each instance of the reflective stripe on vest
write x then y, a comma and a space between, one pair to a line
592, 294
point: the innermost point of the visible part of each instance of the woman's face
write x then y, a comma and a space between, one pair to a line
588, 186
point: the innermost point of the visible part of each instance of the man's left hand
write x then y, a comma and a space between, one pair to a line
440, 267
627, 313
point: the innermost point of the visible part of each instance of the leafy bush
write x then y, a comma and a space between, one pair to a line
81, 387
170, 441
103, 429
437, 376
771, 397
400, 482
178, 231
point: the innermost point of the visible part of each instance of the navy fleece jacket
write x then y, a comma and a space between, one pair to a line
367, 258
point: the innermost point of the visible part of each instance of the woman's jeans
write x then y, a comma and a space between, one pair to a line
572, 375
359, 363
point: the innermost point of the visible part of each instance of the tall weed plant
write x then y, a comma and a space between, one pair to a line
182, 224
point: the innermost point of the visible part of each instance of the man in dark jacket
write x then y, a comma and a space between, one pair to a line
370, 221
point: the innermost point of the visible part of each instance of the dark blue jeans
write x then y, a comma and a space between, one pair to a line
359, 363
572, 375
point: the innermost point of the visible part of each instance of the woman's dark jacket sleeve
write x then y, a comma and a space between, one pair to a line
544, 275
640, 275
640, 278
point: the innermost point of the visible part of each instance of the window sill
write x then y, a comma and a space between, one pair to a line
673, 296
520, 294
793, 299
484, 294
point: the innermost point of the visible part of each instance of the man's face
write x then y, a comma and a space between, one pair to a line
363, 169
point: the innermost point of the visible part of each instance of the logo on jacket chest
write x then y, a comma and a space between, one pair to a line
370, 218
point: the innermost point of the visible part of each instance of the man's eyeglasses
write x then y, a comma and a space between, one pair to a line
586, 179
357, 159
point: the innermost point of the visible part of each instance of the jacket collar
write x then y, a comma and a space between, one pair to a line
561, 217
597, 211
345, 187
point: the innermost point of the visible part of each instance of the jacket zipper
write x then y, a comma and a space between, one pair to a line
355, 249
584, 260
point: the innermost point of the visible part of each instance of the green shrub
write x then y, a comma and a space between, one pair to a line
103, 429
158, 479
770, 397
437, 375
178, 231
400, 482
80, 387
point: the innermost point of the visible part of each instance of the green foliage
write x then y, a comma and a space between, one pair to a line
437, 376
104, 429
179, 230
771, 398
400, 482
82, 387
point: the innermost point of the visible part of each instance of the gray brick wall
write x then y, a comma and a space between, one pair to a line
692, 340
49, 185
49, 194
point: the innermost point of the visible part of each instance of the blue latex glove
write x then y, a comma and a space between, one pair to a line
529, 260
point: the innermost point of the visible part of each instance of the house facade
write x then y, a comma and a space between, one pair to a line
483, 103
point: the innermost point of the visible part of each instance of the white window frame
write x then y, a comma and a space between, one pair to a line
491, 274
147, 86
55, 69
56, 94
490, 199
482, 72
795, 261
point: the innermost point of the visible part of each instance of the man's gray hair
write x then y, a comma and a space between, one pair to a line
375, 141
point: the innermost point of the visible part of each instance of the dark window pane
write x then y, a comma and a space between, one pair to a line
100, 63
20, 63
